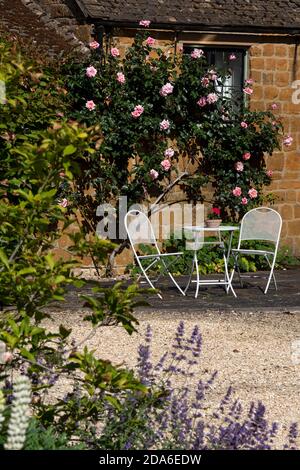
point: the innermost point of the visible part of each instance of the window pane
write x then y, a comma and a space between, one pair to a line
219, 57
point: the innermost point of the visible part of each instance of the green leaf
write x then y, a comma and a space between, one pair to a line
29, 270
4, 259
50, 261
69, 150
27, 354
114, 402
59, 279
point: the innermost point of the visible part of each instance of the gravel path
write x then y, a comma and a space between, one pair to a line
252, 351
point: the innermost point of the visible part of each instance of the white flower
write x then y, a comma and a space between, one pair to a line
19, 417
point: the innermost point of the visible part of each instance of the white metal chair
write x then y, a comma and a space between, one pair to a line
140, 231
261, 223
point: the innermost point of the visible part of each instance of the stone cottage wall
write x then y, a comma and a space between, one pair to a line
274, 67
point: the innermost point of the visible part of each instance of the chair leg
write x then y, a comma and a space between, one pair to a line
236, 265
228, 278
172, 277
270, 275
148, 279
235, 268
273, 275
178, 287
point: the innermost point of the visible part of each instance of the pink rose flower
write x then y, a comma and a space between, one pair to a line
150, 41
166, 164
202, 102
244, 125
197, 53
169, 152
138, 110
94, 45
115, 52
154, 174
288, 141
252, 193
205, 81
237, 191
248, 90
244, 201
246, 155
213, 75
91, 72
164, 125
64, 203
212, 98
270, 173
62, 174
167, 89
274, 106
90, 105
232, 56
249, 81
121, 77
145, 23
239, 166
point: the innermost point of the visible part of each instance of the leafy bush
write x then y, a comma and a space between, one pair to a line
40, 438
35, 150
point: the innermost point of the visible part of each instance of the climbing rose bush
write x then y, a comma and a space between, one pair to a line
157, 109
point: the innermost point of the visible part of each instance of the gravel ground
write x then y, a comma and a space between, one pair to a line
251, 350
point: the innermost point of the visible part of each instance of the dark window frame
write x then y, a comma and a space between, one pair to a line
210, 51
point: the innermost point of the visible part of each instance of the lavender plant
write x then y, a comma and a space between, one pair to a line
175, 416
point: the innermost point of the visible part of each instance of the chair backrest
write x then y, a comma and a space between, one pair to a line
261, 223
139, 229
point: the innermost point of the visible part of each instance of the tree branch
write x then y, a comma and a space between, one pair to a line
170, 186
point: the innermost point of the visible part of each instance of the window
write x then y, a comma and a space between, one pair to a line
224, 59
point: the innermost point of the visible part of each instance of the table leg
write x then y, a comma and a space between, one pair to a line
197, 273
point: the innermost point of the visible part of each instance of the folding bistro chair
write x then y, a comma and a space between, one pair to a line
261, 223
140, 231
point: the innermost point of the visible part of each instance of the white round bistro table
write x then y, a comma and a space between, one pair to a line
199, 241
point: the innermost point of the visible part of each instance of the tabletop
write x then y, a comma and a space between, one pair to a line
221, 228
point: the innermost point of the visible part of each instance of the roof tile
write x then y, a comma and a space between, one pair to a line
199, 12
